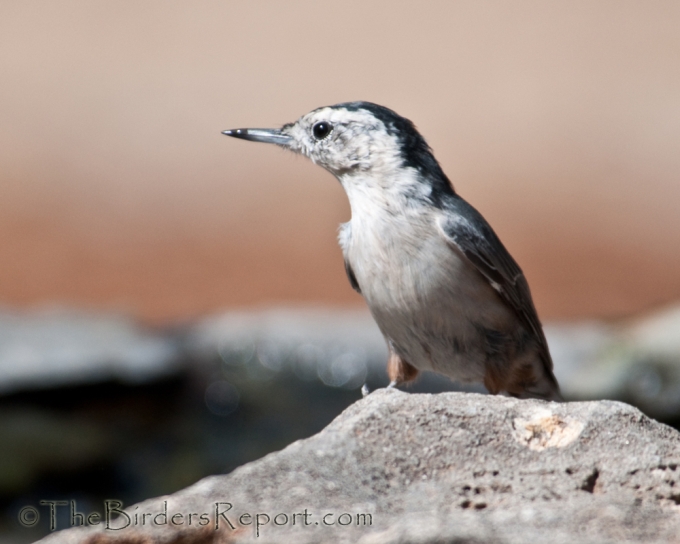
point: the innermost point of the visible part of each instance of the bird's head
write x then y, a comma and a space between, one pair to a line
354, 138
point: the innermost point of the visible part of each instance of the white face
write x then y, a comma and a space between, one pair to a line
344, 141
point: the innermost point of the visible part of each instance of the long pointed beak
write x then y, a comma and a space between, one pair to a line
266, 135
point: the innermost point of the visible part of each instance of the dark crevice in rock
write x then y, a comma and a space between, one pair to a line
589, 483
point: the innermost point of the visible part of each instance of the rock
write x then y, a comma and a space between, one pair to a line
453, 467
637, 361
336, 347
60, 347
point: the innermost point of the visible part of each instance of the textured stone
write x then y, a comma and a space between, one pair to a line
451, 467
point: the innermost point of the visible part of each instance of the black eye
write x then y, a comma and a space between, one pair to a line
321, 130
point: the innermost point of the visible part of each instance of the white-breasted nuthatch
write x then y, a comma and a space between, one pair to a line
444, 291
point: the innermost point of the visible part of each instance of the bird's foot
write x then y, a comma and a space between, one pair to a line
365, 391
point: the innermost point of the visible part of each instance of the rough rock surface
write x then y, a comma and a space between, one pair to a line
451, 467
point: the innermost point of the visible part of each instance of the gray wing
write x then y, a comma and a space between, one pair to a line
464, 228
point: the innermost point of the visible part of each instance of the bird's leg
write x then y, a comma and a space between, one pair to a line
495, 377
398, 370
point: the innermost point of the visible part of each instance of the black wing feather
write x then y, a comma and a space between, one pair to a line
351, 277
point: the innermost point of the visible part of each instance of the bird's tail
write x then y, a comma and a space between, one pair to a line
546, 386
534, 380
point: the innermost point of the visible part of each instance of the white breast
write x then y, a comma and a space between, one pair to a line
424, 295
392, 243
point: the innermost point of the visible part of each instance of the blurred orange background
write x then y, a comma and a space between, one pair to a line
560, 122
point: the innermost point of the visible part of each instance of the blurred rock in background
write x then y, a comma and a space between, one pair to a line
637, 361
59, 348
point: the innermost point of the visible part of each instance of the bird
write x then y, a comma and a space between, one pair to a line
444, 291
